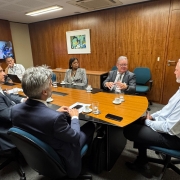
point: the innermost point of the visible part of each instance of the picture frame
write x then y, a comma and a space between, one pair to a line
78, 41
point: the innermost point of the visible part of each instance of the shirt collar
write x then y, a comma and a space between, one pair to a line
1, 90
120, 73
44, 102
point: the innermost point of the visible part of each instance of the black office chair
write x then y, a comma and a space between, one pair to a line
40, 156
143, 81
167, 161
11, 155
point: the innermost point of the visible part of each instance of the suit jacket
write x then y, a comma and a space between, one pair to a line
5, 119
80, 79
51, 127
129, 78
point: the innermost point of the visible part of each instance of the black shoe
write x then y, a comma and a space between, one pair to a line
140, 166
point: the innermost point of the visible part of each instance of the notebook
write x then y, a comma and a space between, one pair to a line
14, 78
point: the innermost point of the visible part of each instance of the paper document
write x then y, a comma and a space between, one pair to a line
13, 90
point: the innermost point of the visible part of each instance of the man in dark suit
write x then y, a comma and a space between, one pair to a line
7, 101
121, 78
49, 125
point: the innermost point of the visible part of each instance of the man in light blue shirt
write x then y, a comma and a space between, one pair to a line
160, 129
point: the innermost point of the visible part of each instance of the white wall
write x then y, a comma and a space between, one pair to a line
21, 44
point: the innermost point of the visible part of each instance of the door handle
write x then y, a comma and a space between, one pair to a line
169, 62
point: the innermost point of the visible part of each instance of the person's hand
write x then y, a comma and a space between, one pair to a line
109, 84
24, 99
10, 66
121, 85
148, 116
63, 109
73, 112
10, 81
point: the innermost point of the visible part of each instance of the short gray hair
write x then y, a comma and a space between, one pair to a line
122, 58
35, 80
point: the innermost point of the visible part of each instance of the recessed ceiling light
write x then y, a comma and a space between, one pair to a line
45, 10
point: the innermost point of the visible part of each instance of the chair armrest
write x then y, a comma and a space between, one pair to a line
150, 84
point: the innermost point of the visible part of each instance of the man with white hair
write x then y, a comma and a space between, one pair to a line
121, 78
161, 129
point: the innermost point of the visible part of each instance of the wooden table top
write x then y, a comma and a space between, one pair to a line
131, 109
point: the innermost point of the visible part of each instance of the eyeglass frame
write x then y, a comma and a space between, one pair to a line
122, 65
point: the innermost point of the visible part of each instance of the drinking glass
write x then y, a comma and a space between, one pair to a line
95, 107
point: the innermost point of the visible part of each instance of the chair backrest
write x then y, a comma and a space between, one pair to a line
39, 155
114, 68
143, 75
53, 77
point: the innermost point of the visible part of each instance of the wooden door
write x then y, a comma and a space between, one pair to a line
170, 85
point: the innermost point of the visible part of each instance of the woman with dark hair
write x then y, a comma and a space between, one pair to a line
75, 75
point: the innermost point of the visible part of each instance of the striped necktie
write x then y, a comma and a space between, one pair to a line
118, 78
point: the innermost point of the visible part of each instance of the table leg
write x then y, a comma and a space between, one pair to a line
115, 144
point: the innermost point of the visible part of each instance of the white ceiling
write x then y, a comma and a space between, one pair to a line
14, 10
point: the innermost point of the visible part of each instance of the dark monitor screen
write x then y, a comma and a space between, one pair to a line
5, 49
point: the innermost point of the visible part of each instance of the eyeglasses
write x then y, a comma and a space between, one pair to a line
122, 65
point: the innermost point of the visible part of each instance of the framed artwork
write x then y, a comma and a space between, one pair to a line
78, 41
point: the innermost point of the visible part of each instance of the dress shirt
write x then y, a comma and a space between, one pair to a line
119, 77
17, 69
167, 120
1, 91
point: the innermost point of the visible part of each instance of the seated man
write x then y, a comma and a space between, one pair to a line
121, 78
49, 125
12, 68
6, 103
160, 129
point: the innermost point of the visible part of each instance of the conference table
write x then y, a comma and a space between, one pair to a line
130, 110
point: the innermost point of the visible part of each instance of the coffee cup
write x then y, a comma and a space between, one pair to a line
54, 84
89, 88
86, 108
62, 82
117, 100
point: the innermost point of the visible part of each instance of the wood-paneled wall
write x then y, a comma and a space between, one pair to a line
5, 35
137, 31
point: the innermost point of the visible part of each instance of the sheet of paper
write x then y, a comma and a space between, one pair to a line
13, 90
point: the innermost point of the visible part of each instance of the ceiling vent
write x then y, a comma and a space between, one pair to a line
95, 4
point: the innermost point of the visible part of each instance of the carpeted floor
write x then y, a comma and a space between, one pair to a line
119, 171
